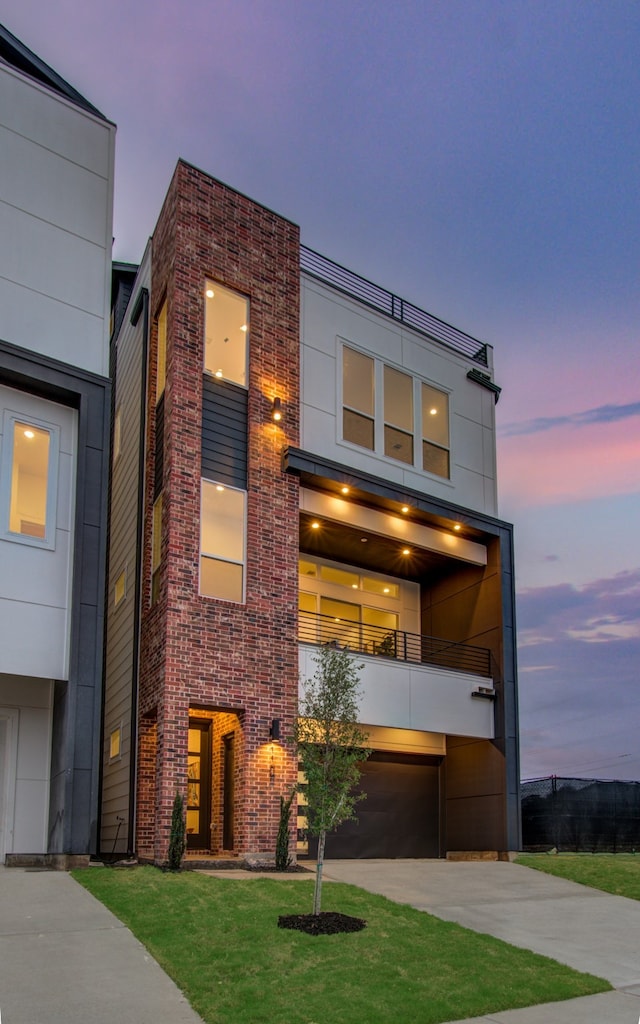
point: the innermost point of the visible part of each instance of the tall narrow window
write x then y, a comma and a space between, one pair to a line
156, 548
358, 398
226, 333
222, 542
398, 415
117, 434
161, 371
435, 431
28, 476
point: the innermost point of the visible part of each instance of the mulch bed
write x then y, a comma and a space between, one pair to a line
328, 922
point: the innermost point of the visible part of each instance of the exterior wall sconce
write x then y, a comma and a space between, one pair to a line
276, 410
274, 729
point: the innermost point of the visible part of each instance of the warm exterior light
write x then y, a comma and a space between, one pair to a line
276, 410
406, 551
274, 729
457, 526
315, 526
404, 509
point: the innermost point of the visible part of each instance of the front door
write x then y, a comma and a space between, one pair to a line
199, 785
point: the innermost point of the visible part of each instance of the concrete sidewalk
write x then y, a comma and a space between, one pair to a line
65, 959
581, 927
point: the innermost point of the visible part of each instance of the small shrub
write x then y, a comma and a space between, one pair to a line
283, 860
178, 835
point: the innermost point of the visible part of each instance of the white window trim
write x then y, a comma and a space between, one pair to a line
377, 451
9, 420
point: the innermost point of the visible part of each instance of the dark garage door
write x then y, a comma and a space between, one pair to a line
400, 815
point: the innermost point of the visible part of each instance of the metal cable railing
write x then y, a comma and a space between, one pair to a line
386, 302
392, 643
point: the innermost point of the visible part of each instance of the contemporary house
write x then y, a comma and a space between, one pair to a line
55, 265
299, 458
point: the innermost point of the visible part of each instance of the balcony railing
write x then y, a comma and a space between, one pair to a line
392, 643
391, 305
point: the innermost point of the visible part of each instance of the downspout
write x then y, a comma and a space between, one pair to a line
141, 308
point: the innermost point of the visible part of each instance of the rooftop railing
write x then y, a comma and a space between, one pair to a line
361, 638
386, 302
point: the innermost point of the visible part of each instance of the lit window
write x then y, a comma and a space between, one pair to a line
398, 415
435, 431
120, 587
161, 371
395, 418
222, 542
115, 744
156, 548
226, 333
358, 395
28, 478
307, 568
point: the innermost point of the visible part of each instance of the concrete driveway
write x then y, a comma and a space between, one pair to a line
584, 928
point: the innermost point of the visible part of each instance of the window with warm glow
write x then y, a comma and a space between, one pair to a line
435, 431
28, 475
120, 588
222, 542
358, 398
391, 413
115, 744
226, 333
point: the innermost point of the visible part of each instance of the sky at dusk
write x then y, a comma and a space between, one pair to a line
481, 159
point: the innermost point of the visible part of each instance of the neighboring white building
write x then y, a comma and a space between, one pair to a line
56, 201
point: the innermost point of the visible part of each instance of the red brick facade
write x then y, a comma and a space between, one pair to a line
198, 653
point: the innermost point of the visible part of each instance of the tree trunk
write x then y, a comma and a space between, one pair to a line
317, 892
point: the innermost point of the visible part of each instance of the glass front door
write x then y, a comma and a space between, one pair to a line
199, 785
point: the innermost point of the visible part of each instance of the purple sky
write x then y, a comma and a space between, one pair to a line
480, 158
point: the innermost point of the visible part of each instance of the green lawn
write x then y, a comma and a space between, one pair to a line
219, 940
618, 873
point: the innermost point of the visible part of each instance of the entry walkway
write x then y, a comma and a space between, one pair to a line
581, 927
65, 959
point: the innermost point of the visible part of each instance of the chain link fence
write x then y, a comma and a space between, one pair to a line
580, 815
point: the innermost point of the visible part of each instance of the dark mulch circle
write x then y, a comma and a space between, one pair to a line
328, 922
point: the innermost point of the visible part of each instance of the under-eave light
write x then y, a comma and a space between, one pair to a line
276, 410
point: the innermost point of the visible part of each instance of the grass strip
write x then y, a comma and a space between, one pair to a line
219, 941
617, 873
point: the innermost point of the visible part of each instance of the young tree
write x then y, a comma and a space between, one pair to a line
331, 747
177, 836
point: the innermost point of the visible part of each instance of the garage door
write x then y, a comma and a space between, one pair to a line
400, 815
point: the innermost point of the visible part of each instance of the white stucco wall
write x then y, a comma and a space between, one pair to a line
35, 583
56, 212
329, 320
403, 695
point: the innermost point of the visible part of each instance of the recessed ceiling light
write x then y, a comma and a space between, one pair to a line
218, 373
406, 551
386, 590
457, 526
315, 526
244, 327
209, 293
364, 540
345, 490
29, 434
354, 586
433, 412
404, 509
219, 487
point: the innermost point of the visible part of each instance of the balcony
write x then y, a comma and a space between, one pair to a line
408, 681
